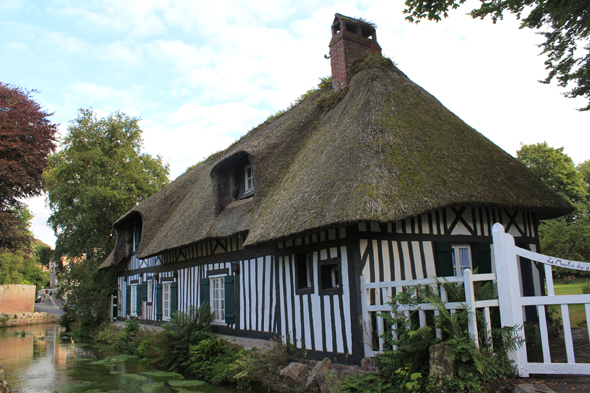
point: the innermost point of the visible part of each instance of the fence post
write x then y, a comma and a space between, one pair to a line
470, 300
507, 278
366, 321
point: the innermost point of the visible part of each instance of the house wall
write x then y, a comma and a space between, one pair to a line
405, 250
323, 323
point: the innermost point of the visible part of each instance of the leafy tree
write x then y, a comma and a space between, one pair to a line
567, 35
568, 237
558, 171
99, 175
584, 169
21, 265
569, 240
26, 138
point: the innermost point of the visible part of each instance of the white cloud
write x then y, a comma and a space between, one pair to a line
122, 52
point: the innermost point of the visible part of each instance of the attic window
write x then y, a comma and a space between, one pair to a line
350, 27
233, 179
248, 179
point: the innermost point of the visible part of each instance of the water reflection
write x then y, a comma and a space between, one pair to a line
40, 361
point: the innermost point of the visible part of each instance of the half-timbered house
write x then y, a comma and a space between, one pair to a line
370, 178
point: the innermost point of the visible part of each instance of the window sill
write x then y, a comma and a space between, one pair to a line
331, 291
304, 291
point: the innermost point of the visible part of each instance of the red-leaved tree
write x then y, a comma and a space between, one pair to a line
26, 138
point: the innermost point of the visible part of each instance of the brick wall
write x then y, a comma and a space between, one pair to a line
17, 298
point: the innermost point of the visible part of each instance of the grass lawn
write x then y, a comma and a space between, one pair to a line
577, 313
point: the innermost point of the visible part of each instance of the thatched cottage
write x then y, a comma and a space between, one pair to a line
372, 177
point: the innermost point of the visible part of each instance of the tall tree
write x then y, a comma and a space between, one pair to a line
562, 237
567, 32
99, 175
556, 169
26, 138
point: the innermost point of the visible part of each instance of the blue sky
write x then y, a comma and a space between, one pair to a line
200, 74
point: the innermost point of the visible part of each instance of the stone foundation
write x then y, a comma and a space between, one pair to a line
27, 318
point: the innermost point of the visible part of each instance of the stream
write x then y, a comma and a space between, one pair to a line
35, 359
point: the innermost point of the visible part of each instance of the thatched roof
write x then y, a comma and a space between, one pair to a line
387, 151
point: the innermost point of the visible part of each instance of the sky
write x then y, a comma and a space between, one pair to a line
200, 74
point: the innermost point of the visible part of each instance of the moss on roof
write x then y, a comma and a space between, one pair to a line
384, 151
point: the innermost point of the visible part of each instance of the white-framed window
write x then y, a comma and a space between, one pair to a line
134, 294
150, 287
217, 286
248, 179
461, 258
166, 300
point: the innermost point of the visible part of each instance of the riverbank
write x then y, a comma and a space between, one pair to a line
28, 318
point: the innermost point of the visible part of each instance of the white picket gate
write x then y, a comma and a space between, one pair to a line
374, 297
512, 304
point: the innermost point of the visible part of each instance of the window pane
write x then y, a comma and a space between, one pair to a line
464, 257
218, 298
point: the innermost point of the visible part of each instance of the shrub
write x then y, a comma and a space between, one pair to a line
586, 287
212, 360
126, 341
406, 369
569, 279
171, 345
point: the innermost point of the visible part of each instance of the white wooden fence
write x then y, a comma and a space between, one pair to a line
512, 304
374, 297
385, 290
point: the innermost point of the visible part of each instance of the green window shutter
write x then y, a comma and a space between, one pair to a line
444, 259
144, 291
230, 317
138, 296
159, 301
173, 298
128, 301
205, 292
484, 257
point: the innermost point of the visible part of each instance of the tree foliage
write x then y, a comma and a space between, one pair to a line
21, 265
26, 138
99, 175
568, 237
567, 32
557, 170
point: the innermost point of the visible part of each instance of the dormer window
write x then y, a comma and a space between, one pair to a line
233, 179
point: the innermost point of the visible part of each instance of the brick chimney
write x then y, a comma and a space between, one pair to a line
350, 39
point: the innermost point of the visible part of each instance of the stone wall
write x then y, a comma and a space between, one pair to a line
28, 318
17, 298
